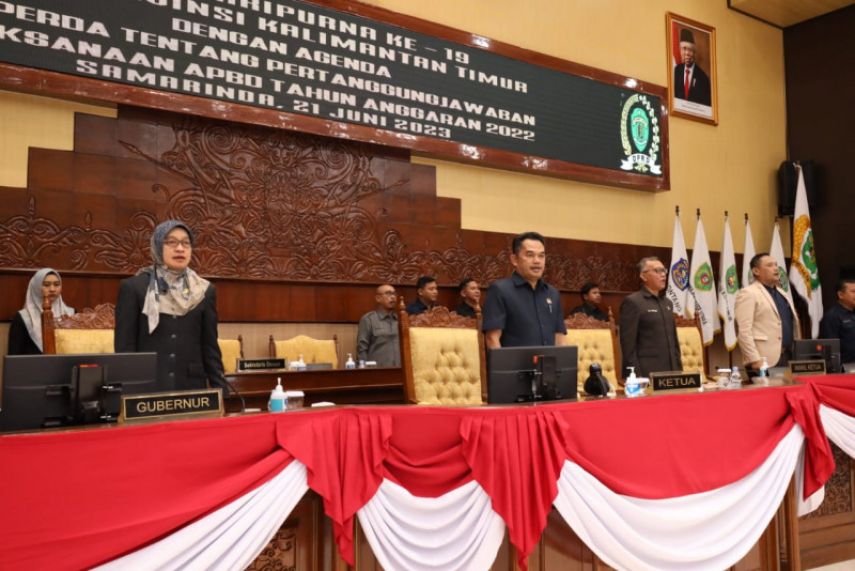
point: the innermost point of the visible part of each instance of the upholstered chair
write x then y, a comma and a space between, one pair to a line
313, 350
89, 331
443, 357
692, 350
597, 343
232, 350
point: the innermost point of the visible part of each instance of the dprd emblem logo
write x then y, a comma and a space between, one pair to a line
703, 280
730, 280
805, 263
640, 135
680, 273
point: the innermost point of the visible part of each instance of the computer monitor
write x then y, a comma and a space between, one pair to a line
511, 373
42, 391
826, 349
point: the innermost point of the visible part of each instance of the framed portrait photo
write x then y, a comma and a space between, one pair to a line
692, 79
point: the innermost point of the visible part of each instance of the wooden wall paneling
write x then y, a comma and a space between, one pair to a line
290, 227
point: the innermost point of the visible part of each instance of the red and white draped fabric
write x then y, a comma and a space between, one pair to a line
836, 395
433, 488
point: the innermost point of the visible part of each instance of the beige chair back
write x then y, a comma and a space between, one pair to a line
597, 343
312, 350
89, 331
232, 350
692, 350
443, 357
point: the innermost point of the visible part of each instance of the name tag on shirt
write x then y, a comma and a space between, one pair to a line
652, 311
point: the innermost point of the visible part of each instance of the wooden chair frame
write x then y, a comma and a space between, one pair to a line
436, 317
103, 316
582, 321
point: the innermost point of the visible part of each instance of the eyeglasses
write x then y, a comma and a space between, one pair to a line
657, 270
387, 293
173, 243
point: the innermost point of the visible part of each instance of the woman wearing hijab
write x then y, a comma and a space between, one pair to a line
25, 334
169, 309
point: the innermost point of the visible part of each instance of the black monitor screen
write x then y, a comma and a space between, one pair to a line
509, 372
38, 390
826, 349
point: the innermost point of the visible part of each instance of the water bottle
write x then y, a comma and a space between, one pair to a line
735, 378
350, 363
278, 399
763, 373
632, 388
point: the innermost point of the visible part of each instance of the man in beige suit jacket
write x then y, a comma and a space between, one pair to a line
763, 331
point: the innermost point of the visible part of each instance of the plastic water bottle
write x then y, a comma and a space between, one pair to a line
632, 388
764, 370
350, 363
278, 398
735, 378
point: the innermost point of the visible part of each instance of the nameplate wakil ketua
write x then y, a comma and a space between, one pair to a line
807, 367
674, 380
198, 403
260, 364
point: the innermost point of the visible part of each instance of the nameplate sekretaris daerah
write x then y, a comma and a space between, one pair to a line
674, 380
260, 364
199, 403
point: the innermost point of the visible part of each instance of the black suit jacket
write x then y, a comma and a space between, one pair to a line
700, 91
648, 334
186, 346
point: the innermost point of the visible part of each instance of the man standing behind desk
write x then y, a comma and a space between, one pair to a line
377, 335
648, 333
523, 310
839, 321
765, 317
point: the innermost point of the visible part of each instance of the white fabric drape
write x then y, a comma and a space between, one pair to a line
710, 530
229, 538
456, 531
839, 427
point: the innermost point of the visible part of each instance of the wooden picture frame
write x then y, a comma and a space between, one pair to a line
691, 41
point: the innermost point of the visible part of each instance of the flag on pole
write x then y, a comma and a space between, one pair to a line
728, 285
776, 250
702, 286
804, 275
678, 277
747, 253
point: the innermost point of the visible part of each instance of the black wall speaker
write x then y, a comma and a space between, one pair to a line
788, 179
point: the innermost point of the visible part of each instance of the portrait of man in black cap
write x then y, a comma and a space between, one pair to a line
690, 81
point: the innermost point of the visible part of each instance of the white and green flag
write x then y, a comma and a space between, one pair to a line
804, 275
776, 250
747, 253
678, 276
728, 285
702, 286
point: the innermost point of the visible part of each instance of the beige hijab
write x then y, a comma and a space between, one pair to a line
170, 292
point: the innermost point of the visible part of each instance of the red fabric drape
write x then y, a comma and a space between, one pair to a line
74, 499
835, 391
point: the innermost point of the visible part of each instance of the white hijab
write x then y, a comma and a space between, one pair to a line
32, 312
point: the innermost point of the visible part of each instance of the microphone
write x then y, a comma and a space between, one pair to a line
232, 388
596, 384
